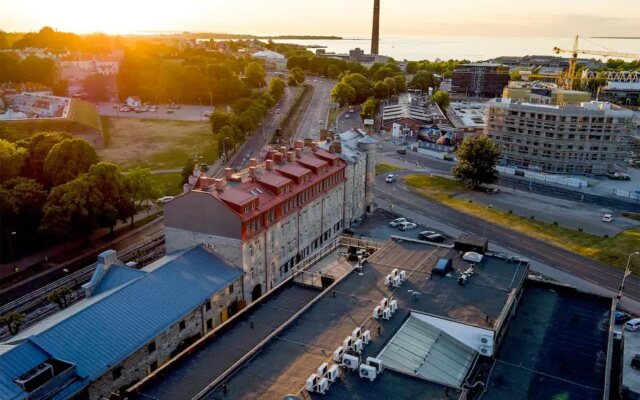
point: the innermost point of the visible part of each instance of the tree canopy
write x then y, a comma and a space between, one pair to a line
68, 159
343, 94
369, 108
12, 158
423, 80
477, 160
296, 76
442, 98
255, 74
276, 88
360, 84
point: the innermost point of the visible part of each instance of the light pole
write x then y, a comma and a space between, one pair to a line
224, 150
484, 224
627, 272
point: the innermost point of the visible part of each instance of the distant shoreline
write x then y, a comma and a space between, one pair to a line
616, 37
246, 36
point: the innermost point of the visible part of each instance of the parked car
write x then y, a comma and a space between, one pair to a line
407, 226
425, 234
164, 199
632, 325
321, 122
607, 218
397, 222
169, 111
401, 151
390, 178
347, 116
620, 317
436, 238
635, 362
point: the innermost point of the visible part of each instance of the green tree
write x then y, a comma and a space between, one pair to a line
382, 73
423, 80
141, 188
12, 158
68, 212
333, 71
477, 159
68, 159
38, 147
60, 88
296, 77
21, 208
369, 108
401, 83
360, 84
276, 88
36, 69
412, 67
391, 84
61, 297
187, 169
255, 74
381, 90
4, 41
442, 98
219, 119
343, 94
13, 321
113, 202
96, 86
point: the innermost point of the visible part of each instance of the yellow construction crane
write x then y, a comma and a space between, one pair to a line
574, 58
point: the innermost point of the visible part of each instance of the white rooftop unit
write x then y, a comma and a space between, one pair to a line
472, 256
349, 361
368, 372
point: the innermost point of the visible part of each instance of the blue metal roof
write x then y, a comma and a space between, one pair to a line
117, 275
14, 361
115, 324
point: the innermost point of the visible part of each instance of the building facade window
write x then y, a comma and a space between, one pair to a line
182, 325
151, 347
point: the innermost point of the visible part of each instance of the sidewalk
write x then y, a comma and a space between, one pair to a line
57, 254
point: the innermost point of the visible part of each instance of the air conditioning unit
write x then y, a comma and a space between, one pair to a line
312, 381
403, 275
347, 342
337, 355
386, 314
376, 363
366, 337
393, 305
367, 372
323, 386
486, 350
322, 369
358, 345
333, 373
396, 281
384, 303
377, 312
387, 280
486, 339
394, 273
349, 361
357, 333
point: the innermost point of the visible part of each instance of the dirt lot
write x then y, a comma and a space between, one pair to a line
157, 144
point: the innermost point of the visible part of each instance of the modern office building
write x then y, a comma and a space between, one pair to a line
543, 93
272, 216
480, 79
590, 138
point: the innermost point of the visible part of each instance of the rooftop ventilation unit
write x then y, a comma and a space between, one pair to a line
322, 369
349, 361
394, 273
393, 305
384, 303
357, 333
333, 373
396, 281
403, 275
377, 312
323, 386
338, 353
386, 314
312, 381
367, 372
376, 363
486, 350
259, 190
387, 280
366, 337
347, 342
358, 345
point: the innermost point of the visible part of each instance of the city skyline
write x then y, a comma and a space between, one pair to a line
466, 18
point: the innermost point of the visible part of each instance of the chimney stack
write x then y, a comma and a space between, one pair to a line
253, 162
290, 156
283, 150
269, 165
314, 146
307, 142
299, 144
278, 157
228, 172
375, 34
219, 184
298, 153
253, 172
270, 153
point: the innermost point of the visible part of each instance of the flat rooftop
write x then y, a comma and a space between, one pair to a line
555, 348
479, 302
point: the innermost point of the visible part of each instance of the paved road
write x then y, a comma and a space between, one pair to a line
315, 116
578, 266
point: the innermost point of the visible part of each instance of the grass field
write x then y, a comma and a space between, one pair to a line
168, 184
84, 113
382, 168
612, 251
156, 144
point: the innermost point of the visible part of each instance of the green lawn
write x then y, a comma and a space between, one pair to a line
613, 250
383, 168
168, 184
85, 113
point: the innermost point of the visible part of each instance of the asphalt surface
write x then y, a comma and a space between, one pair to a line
581, 267
314, 117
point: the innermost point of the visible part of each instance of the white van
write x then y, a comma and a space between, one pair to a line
632, 325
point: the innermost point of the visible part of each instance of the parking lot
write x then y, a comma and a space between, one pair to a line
184, 113
377, 226
630, 376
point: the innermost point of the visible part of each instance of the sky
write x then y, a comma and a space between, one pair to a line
349, 18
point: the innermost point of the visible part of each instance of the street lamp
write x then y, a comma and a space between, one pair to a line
224, 151
484, 225
627, 272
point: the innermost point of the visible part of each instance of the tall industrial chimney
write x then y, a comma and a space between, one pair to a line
375, 35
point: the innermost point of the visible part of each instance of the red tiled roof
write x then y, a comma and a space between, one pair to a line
293, 170
274, 180
311, 161
235, 196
